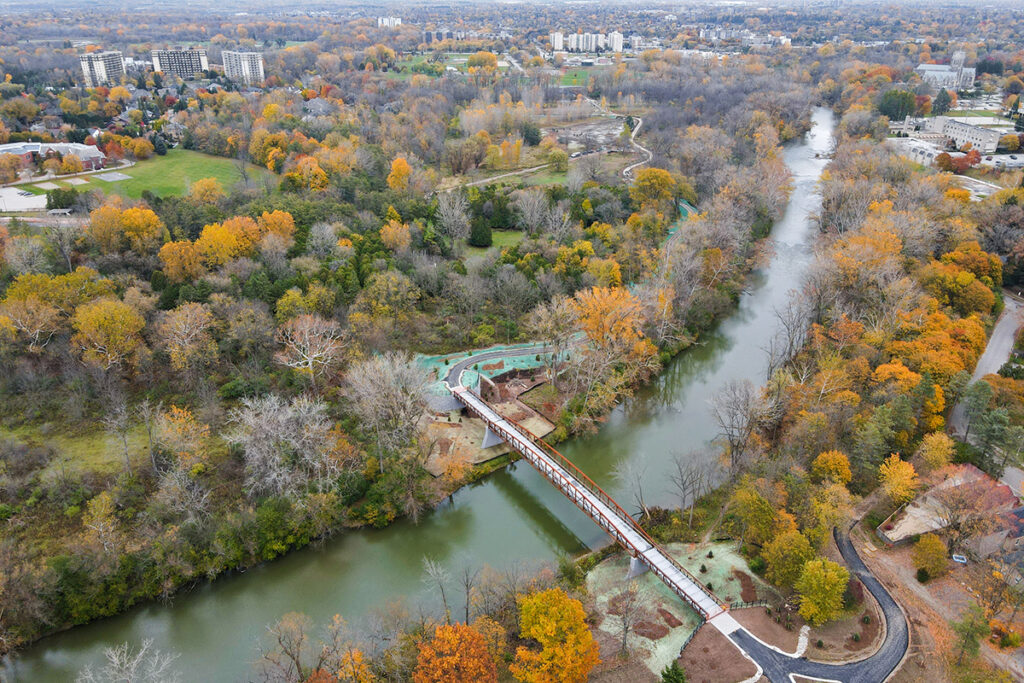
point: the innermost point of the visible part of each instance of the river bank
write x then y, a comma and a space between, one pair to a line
511, 518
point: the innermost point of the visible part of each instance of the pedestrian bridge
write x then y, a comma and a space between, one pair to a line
595, 503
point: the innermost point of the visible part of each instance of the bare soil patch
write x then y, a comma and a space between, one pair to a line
712, 658
615, 669
758, 621
748, 591
650, 630
670, 619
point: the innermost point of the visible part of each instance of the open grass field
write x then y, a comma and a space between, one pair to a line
92, 451
575, 76
167, 175
501, 239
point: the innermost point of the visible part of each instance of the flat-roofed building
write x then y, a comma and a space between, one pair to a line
185, 64
244, 67
102, 68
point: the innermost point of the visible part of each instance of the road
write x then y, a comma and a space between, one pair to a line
778, 667
627, 172
997, 352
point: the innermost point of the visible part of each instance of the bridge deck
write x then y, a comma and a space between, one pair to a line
597, 504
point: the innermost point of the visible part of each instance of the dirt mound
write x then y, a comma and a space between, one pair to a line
650, 631
748, 591
669, 618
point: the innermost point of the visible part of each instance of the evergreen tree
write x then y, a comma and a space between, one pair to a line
480, 235
673, 673
941, 103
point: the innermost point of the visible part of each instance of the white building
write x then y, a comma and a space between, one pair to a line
389, 22
185, 64
953, 75
102, 68
557, 41
985, 140
244, 67
615, 41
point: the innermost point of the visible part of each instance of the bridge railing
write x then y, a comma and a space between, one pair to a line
524, 437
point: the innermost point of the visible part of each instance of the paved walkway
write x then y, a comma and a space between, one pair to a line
997, 352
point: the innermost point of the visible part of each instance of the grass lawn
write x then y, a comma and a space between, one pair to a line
501, 239
169, 175
93, 451
546, 177
575, 77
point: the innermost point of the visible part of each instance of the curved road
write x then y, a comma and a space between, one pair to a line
778, 666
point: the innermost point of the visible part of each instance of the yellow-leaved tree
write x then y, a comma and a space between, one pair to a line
568, 651
899, 479
398, 179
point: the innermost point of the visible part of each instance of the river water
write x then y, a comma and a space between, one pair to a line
512, 516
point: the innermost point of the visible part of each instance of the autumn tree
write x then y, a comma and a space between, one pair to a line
568, 651
108, 333
832, 465
935, 452
457, 653
181, 261
654, 188
104, 229
553, 323
395, 236
182, 437
930, 555
206, 190
899, 479
821, 586
280, 223
398, 178
785, 557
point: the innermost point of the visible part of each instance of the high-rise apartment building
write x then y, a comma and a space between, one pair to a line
244, 67
102, 68
184, 64
615, 41
557, 41
389, 22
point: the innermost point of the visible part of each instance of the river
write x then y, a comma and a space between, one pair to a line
512, 516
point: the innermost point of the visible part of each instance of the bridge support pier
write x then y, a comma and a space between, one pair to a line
636, 568
491, 439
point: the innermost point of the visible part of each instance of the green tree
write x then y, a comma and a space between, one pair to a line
673, 673
976, 400
969, 630
785, 557
821, 586
941, 103
897, 104
480, 235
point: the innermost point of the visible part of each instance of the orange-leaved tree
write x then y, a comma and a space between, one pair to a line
568, 650
456, 654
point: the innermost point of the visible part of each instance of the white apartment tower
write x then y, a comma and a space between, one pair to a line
102, 68
244, 67
557, 41
615, 41
184, 64
389, 22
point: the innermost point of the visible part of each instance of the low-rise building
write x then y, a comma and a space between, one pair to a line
31, 152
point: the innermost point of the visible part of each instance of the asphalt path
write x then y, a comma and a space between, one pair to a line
778, 666
997, 352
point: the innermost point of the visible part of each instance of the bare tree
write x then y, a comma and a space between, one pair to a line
388, 393
118, 424
632, 474
531, 210
737, 408
628, 610
312, 345
453, 217
691, 477
148, 412
468, 578
437, 576
183, 494
290, 651
127, 665
554, 323
513, 293
62, 237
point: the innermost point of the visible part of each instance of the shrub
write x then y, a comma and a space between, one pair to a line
856, 637
866, 619
922, 575
820, 643
703, 569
